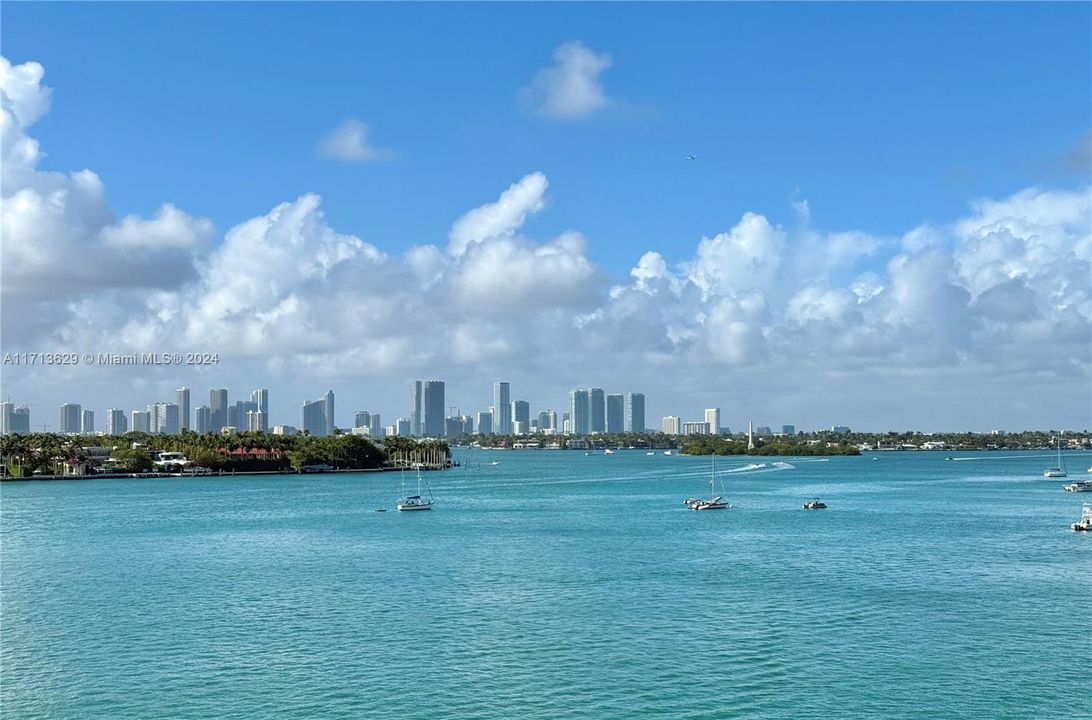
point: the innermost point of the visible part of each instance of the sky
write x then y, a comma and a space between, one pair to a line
887, 222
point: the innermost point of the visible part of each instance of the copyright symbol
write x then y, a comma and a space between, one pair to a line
88, 359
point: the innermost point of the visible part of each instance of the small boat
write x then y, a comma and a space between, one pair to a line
650, 453
1085, 523
815, 504
415, 502
1057, 471
608, 451
381, 509
1079, 486
714, 502
667, 452
494, 463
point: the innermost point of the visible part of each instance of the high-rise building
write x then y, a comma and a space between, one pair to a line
551, 421
417, 406
202, 419
115, 422
788, 429
142, 421
544, 420
468, 424
579, 414
521, 412
362, 418
255, 421
454, 426
71, 417
87, 422
635, 412
182, 397
328, 407
432, 409
7, 410
616, 406
671, 425
163, 418
485, 423
260, 398
502, 409
712, 417
402, 426
597, 409
314, 417
377, 425
20, 420
699, 427
218, 408
519, 427
764, 431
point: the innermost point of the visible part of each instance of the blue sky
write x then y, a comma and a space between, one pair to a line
884, 118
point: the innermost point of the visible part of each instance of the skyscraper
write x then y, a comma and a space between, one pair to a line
788, 429
615, 411
502, 409
521, 412
163, 418
115, 422
7, 410
544, 420
485, 423
712, 418
71, 417
362, 418
597, 410
314, 417
417, 406
141, 421
218, 409
182, 397
20, 420
328, 401
377, 425
579, 414
635, 412
432, 409
87, 422
671, 425
202, 419
260, 397
255, 421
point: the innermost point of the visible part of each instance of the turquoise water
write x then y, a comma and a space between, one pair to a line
554, 585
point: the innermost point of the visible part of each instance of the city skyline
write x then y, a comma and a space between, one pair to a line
887, 244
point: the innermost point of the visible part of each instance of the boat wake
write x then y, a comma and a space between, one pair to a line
762, 467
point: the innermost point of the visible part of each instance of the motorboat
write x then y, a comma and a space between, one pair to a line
667, 452
608, 451
815, 504
1085, 523
1079, 486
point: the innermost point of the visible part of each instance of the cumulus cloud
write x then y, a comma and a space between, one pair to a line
500, 219
348, 142
570, 88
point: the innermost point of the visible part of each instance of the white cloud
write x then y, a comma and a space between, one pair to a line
348, 142
502, 218
745, 258
570, 88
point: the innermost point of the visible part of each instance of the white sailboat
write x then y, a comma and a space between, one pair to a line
715, 502
415, 502
1059, 470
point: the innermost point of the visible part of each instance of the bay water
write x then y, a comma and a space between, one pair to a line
554, 584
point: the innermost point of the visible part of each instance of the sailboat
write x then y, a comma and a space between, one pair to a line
714, 502
415, 502
1059, 470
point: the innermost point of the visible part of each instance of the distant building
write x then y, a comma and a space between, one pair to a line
433, 415
313, 419
7, 410
163, 418
635, 413
284, 430
116, 424
840, 429
377, 425
485, 423
87, 422
579, 414
141, 421
597, 410
182, 399
764, 431
502, 409
237, 413
695, 428
521, 412
202, 419
71, 418
20, 420
260, 398
417, 406
453, 426
788, 429
468, 424
616, 408
403, 426
671, 425
362, 418
712, 418
255, 421
519, 427
218, 408
544, 421
328, 408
